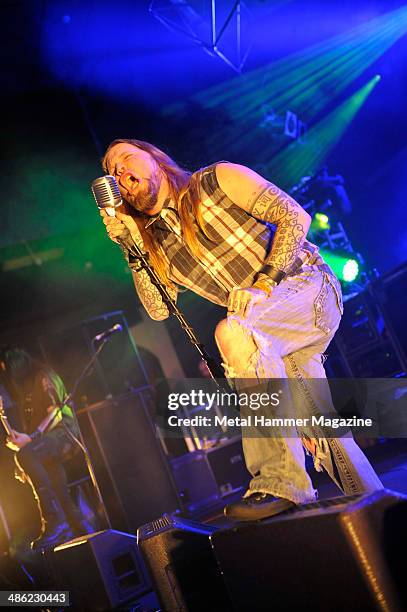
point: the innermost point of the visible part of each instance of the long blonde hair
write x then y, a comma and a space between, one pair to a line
184, 191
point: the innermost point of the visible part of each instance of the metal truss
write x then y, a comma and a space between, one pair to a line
208, 31
335, 238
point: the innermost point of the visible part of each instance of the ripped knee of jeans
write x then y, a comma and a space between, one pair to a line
237, 347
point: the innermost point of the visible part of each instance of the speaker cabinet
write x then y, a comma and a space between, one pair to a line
334, 555
372, 338
102, 570
390, 290
195, 482
228, 466
130, 465
180, 560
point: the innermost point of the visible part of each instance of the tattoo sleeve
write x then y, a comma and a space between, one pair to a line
150, 296
277, 207
147, 292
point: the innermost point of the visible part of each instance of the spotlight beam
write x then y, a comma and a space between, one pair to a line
298, 159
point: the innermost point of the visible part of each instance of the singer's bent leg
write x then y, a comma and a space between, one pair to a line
274, 458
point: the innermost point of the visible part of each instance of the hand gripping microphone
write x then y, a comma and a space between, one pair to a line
107, 195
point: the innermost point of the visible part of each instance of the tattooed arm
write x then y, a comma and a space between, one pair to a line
148, 293
267, 202
150, 297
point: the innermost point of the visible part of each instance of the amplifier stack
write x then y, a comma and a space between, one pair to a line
372, 338
204, 477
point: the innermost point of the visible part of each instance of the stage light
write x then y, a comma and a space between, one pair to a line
350, 270
322, 218
378, 77
345, 266
298, 160
320, 222
305, 82
309, 79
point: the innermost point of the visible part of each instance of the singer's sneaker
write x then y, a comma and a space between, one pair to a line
257, 506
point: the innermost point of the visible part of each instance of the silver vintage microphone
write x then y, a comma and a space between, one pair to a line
106, 193
108, 197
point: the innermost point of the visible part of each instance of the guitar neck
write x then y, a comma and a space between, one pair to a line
4, 419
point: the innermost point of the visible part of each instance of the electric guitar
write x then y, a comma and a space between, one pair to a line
4, 419
19, 472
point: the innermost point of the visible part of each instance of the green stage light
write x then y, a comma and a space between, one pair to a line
300, 159
350, 270
320, 222
345, 267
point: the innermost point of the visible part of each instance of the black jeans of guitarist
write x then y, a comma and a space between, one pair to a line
42, 461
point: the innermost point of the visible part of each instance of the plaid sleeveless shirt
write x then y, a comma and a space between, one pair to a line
238, 247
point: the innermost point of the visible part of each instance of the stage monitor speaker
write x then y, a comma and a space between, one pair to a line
180, 560
130, 465
334, 555
101, 570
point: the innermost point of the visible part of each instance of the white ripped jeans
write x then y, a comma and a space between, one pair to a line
289, 333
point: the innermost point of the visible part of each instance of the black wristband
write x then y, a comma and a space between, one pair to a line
36, 434
273, 273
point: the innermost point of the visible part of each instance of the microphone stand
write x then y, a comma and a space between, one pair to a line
136, 253
80, 442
